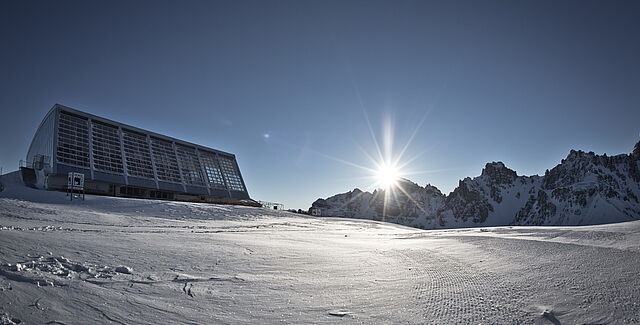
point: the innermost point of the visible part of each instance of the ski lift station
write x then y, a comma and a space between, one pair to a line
121, 160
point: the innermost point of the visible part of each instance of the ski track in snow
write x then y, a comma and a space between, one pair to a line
123, 261
452, 291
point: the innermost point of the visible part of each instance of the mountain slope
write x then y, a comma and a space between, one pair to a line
584, 188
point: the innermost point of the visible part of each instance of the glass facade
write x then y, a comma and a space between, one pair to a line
131, 157
166, 161
73, 140
231, 174
137, 154
190, 165
107, 153
212, 169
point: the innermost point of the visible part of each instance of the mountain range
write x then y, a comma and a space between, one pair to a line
585, 188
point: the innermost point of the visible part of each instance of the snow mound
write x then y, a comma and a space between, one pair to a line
54, 270
5, 319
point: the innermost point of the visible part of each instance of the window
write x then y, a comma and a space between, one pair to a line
190, 165
160, 195
137, 154
165, 160
107, 153
132, 191
212, 169
230, 172
73, 140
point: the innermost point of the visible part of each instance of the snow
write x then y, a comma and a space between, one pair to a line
584, 189
127, 261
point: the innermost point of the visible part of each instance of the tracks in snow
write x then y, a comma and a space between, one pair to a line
448, 290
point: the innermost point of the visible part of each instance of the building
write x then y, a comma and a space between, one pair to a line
122, 160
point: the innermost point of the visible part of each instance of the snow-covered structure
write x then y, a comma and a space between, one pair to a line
122, 160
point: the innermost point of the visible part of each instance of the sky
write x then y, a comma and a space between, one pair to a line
304, 92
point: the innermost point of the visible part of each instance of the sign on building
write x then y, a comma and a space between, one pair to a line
75, 182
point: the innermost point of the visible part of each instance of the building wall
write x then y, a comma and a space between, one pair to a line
43, 142
115, 153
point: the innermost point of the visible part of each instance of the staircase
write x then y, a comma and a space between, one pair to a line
28, 176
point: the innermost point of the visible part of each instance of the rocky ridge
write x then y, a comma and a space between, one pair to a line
585, 188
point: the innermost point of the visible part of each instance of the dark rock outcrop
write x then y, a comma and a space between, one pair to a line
585, 188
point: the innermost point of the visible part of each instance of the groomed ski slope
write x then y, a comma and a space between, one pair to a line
126, 261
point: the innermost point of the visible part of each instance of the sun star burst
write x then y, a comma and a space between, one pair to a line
387, 176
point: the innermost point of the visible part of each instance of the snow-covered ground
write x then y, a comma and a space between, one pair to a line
127, 261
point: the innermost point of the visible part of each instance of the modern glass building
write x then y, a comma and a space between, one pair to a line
122, 160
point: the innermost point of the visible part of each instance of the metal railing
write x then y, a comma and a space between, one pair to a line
34, 165
25, 164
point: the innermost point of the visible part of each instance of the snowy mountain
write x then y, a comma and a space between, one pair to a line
584, 188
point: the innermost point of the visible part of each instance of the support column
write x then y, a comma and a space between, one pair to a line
125, 170
205, 178
56, 130
175, 152
224, 175
153, 162
90, 132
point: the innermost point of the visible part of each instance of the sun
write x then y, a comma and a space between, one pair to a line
387, 176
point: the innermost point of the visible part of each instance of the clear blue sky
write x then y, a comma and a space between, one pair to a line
515, 81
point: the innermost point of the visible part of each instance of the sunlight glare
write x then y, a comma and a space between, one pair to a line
387, 175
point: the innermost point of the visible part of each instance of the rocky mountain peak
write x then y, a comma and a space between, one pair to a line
636, 151
575, 155
433, 190
407, 184
499, 173
585, 188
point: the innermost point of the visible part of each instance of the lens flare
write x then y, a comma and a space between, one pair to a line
387, 176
